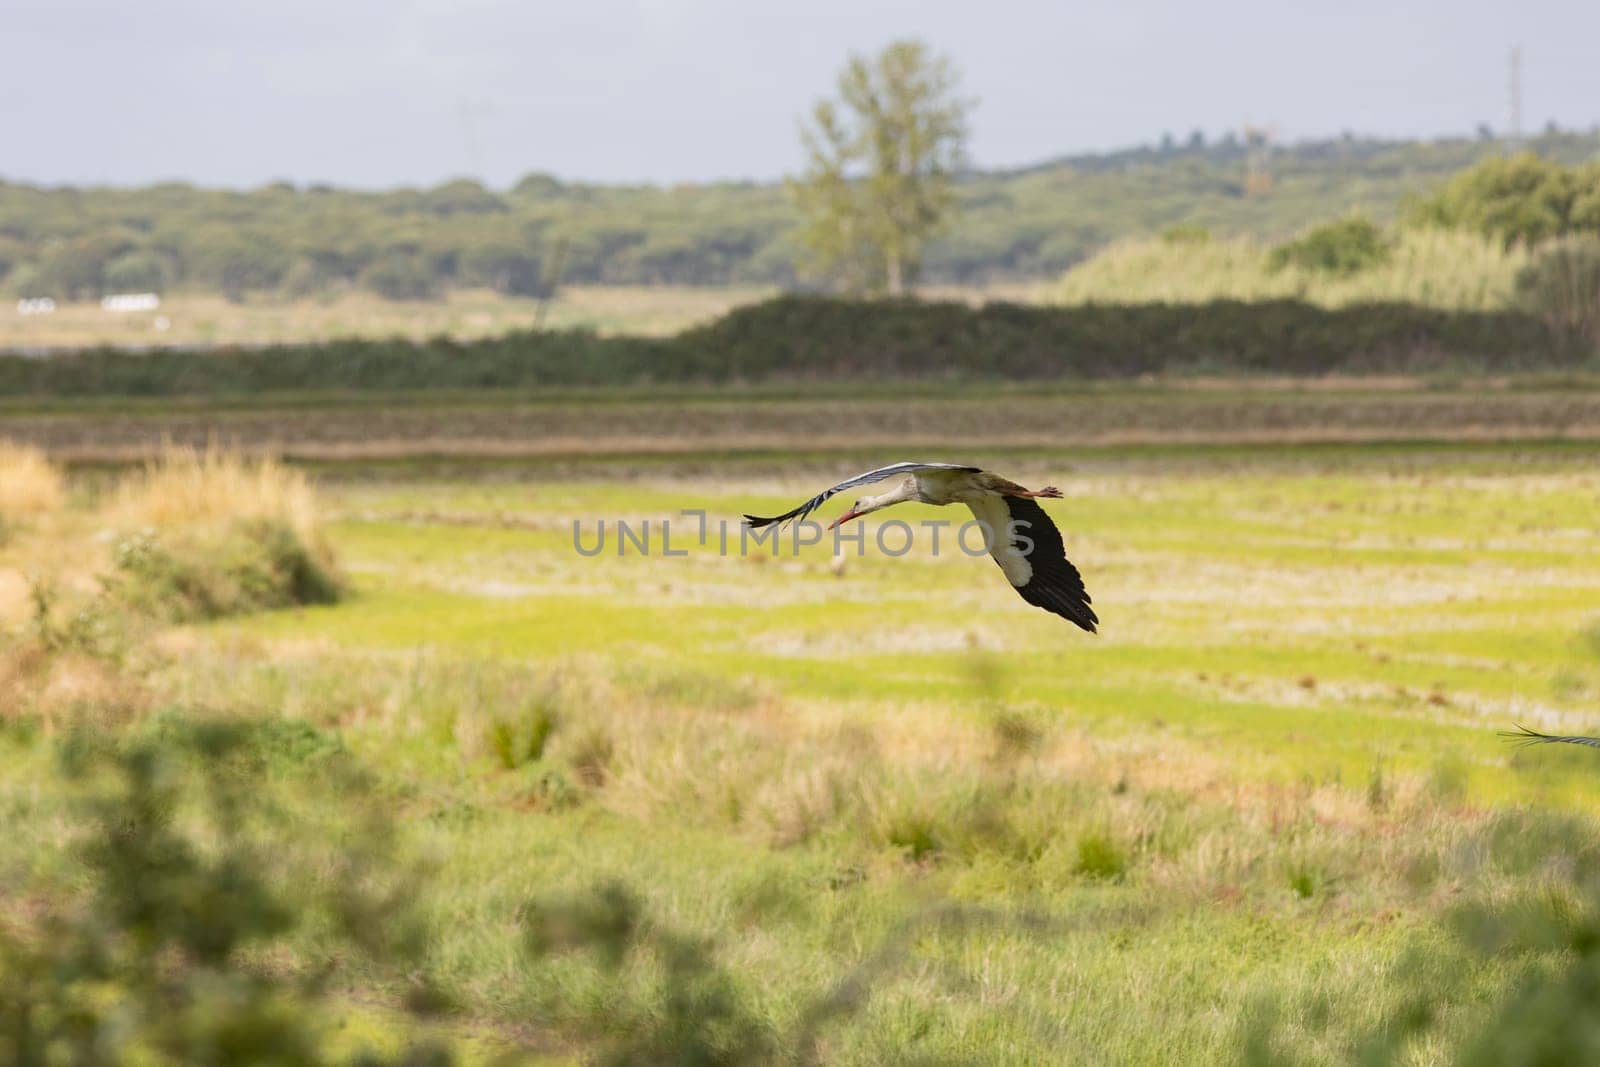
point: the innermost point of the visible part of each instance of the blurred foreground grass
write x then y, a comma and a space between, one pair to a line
741, 809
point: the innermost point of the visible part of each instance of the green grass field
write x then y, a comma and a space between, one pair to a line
882, 810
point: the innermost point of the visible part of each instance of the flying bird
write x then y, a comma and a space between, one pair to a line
1524, 737
1019, 535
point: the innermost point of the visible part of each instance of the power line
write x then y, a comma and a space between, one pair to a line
1514, 95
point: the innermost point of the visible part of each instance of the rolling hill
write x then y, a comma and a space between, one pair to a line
413, 243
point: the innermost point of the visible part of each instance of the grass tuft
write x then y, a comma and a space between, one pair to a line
1100, 857
190, 487
591, 756
29, 484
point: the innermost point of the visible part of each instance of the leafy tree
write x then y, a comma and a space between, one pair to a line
1348, 246
136, 272
1522, 198
536, 184
238, 261
881, 166
400, 275
506, 266
76, 269
463, 196
26, 281
303, 278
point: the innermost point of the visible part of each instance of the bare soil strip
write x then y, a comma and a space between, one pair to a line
684, 425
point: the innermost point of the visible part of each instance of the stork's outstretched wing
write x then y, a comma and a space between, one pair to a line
1524, 736
891, 471
1041, 572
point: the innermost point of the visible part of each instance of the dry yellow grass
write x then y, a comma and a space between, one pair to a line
29, 483
190, 487
1435, 268
464, 314
207, 318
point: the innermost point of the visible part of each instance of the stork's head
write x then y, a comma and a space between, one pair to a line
906, 490
869, 504
854, 511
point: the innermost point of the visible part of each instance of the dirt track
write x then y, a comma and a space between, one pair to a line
600, 428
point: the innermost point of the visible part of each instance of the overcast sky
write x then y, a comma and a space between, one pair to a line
387, 92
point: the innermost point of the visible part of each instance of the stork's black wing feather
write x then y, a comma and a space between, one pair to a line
1055, 584
868, 478
1524, 736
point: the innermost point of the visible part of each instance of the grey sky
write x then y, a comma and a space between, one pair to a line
370, 93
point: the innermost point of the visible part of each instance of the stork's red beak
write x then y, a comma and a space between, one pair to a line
846, 517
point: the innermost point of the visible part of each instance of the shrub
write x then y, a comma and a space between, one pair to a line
1562, 286
218, 534
1348, 246
190, 878
246, 566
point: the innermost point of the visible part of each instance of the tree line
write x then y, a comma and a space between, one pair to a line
887, 197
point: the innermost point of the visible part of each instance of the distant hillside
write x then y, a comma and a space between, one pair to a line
414, 243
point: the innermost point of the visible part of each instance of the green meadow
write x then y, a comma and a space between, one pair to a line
782, 806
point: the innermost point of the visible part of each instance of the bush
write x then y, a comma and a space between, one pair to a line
191, 881
217, 534
1562, 286
815, 338
248, 566
1348, 246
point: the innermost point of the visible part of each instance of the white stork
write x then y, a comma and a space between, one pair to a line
1010, 518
